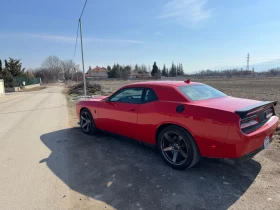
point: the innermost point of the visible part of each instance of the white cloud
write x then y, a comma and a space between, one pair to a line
159, 34
69, 39
120, 41
186, 11
63, 39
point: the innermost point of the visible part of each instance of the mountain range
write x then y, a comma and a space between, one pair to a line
266, 65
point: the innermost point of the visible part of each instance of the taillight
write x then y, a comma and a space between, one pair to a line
268, 113
250, 121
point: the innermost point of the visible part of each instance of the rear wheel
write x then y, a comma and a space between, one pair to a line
87, 122
178, 147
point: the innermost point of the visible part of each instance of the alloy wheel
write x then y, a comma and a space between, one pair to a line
86, 122
174, 148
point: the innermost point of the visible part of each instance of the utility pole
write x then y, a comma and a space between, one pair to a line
248, 60
84, 76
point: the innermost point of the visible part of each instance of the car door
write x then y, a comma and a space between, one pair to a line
148, 117
119, 114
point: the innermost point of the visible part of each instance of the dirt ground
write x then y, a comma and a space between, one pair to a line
124, 175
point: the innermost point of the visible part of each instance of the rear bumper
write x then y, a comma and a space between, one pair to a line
241, 145
249, 155
255, 140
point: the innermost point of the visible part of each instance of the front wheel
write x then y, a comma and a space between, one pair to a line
87, 122
178, 147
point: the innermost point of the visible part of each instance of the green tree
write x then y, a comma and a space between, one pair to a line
109, 69
172, 71
143, 69
182, 69
125, 72
155, 69
14, 67
6, 76
115, 72
164, 71
136, 68
178, 70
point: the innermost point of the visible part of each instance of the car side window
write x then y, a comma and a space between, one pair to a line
128, 95
150, 96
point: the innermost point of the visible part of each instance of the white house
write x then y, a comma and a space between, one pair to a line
98, 72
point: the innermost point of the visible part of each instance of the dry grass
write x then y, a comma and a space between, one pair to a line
33, 89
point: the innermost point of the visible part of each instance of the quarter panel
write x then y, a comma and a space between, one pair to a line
92, 106
209, 127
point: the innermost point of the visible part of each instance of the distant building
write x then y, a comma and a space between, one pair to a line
135, 76
97, 72
139, 76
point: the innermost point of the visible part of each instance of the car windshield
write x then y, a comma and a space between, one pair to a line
200, 92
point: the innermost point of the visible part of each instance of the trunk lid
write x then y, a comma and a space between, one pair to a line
227, 103
253, 114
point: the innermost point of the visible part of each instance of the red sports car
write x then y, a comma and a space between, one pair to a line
185, 120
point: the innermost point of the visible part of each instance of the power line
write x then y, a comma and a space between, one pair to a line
78, 30
83, 9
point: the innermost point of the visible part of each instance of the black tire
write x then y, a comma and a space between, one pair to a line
175, 143
87, 122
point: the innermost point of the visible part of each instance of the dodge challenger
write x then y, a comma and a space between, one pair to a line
184, 120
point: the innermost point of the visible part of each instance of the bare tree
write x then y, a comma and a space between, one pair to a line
125, 72
44, 74
53, 65
69, 68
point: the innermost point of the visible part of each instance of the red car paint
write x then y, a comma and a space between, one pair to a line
213, 123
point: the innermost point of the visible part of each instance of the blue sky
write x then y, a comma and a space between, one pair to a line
199, 33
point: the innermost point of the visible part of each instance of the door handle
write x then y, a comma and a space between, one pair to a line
132, 109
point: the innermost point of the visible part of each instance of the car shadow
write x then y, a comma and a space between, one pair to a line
127, 175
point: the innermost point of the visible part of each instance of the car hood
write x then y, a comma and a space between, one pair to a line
227, 103
97, 98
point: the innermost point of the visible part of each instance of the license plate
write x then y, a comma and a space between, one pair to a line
266, 142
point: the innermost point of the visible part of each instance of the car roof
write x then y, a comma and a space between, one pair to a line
160, 83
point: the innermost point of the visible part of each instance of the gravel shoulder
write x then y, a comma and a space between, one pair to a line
25, 180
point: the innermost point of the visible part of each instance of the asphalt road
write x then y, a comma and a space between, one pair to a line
25, 180
47, 164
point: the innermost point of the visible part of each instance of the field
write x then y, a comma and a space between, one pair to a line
265, 89
252, 88
141, 180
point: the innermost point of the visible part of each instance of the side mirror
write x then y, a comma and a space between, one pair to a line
107, 100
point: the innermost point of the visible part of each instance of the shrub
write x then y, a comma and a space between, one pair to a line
78, 89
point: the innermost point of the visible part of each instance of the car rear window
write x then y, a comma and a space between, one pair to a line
200, 92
